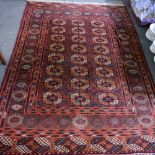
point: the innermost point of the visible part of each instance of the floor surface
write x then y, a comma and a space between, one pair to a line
11, 12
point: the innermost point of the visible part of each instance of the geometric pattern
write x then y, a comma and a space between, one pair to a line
77, 83
96, 144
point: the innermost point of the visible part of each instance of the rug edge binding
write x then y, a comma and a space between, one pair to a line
109, 4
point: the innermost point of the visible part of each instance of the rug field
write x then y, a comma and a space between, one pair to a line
77, 83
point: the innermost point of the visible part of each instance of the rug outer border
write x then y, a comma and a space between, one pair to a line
145, 63
12, 56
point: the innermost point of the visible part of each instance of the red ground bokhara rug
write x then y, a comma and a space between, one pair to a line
77, 83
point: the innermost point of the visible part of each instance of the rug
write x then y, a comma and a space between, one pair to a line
77, 83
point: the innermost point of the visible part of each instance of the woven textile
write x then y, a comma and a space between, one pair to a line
77, 83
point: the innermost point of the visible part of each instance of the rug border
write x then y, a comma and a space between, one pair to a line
21, 25
146, 65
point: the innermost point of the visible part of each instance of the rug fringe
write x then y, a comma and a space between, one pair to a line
59, 1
